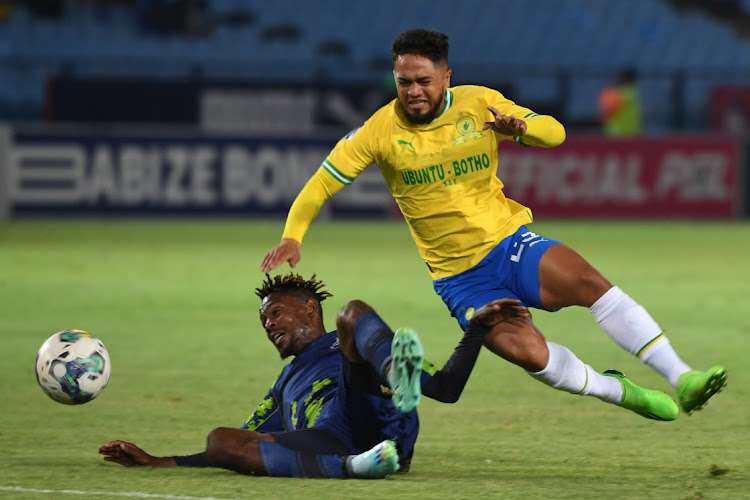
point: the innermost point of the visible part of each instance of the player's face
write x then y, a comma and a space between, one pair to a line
288, 322
421, 86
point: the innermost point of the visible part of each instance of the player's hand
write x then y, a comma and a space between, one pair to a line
130, 455
286, 251
499, 311
505, 125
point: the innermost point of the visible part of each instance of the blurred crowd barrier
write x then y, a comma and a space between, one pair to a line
593, 176
100, 172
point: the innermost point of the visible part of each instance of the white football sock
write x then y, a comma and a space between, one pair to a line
662, 358
566, 372
632, 328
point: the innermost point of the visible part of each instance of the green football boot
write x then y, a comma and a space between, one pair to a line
694, 388
377, 463
655, 405
407, 356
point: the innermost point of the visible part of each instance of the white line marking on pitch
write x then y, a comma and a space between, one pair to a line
132, 494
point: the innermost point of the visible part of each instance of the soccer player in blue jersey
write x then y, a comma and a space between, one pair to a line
437, 148
345, 406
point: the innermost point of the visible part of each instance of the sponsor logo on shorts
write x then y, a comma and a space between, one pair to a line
469, 313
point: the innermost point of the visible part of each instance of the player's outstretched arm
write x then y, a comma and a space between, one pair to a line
447, 384
130, 455
286, 251
303, 211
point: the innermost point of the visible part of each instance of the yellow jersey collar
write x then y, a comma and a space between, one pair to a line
447, 103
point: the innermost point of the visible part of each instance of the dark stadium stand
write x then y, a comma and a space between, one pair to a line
552, 53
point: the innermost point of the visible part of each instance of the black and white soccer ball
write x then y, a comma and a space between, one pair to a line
73, 367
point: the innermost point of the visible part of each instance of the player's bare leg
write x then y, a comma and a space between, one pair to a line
519, 341
499, 311
258, 454
566, 279
345, 320
237, 450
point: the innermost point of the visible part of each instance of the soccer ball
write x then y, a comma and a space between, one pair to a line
72, 367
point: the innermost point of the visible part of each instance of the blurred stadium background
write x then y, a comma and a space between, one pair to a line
227, 106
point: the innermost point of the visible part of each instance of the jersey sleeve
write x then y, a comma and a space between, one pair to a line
351, 155
308, 203
447, 384
541, 130
266, 417
428, 371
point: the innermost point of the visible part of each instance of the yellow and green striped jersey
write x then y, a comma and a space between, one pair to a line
443, 175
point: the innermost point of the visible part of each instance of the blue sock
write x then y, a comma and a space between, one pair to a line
280, 461
373, 340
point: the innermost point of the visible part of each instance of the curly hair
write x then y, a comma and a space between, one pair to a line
427, 43
295, 284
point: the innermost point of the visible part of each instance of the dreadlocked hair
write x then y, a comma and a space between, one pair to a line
293, 283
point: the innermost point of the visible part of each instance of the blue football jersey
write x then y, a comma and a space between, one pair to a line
304, 387
310, 392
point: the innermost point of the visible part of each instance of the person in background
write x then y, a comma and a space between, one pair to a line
620, 106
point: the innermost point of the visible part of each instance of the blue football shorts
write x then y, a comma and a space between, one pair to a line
510, 270
317, 441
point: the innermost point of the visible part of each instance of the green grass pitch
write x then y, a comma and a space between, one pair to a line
174, 303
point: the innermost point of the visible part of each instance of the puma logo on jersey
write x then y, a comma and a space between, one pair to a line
405, 143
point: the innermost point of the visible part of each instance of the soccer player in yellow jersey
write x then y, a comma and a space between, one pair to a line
436, 147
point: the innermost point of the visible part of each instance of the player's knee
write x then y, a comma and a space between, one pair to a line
525, 347
217, 443
349, 314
